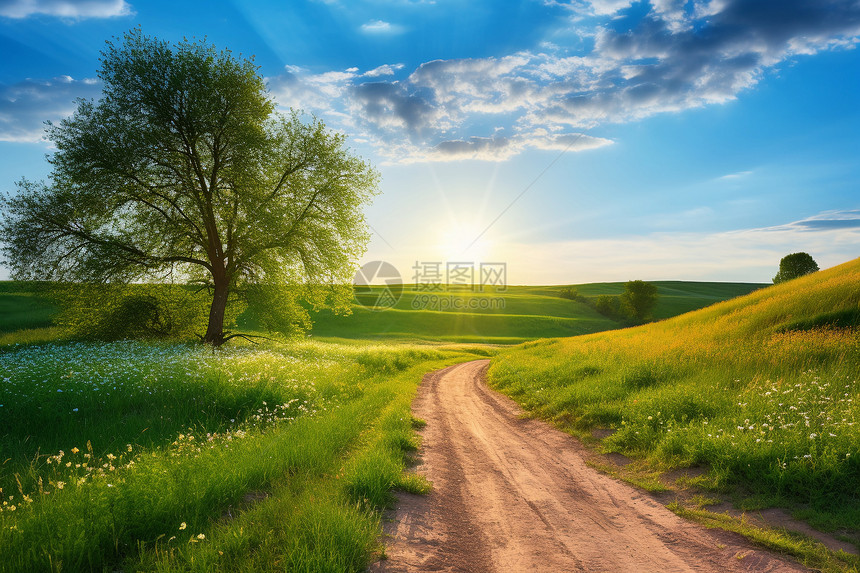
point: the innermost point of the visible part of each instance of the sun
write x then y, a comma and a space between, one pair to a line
463, 243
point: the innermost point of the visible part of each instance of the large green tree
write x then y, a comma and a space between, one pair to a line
184, 167
795, 265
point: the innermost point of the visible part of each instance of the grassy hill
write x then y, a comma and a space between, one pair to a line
761, 390
676, 297
517, 314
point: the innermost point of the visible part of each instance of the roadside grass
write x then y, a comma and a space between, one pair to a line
158, 457
811, 554
744, 388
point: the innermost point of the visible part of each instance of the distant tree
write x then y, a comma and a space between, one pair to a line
639, 299
609, 305
184, 169
795, 265
569, 293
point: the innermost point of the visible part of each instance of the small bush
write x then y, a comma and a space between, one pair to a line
569, 293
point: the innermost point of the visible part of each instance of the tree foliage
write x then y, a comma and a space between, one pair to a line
610, 306
639, 299
134, 311
184, 168
795, 265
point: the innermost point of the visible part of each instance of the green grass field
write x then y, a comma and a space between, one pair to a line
762, 391
141, 456
21, 307
517, 314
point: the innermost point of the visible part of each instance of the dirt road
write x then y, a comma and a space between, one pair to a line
513, 495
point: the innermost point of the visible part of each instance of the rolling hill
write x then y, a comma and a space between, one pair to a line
762, 391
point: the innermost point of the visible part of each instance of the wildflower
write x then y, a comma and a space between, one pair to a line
201, 537
75, 450
183, 526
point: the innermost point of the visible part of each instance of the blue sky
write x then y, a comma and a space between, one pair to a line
582, 140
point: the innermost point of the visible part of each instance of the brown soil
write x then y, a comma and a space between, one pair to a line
515, 495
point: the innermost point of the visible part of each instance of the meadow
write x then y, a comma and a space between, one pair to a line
515, 315
171, 457
761, 392
146, 456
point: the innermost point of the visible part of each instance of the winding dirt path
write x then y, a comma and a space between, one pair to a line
513, 495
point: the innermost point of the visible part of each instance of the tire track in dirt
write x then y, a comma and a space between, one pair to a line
514, 495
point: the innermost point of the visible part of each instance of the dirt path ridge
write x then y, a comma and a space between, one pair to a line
513, 495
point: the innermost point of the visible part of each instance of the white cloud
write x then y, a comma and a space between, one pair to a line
826, 221
381, 27
681, 55
501, 148
384, 70
750, 255
67, 9
25, 106
735, 176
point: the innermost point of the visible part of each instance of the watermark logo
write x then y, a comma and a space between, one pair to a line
440, 286
383, 295
436, 276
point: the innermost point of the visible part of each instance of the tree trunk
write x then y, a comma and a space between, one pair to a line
215, 330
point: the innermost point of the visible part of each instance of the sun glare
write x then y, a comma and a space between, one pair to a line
461, 243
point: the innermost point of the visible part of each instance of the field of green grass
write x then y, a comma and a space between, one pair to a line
148, 456
761, 391
511, 317
139, 457
517, 314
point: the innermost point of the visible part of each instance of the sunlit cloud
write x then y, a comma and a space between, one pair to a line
679, 56
66, 9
